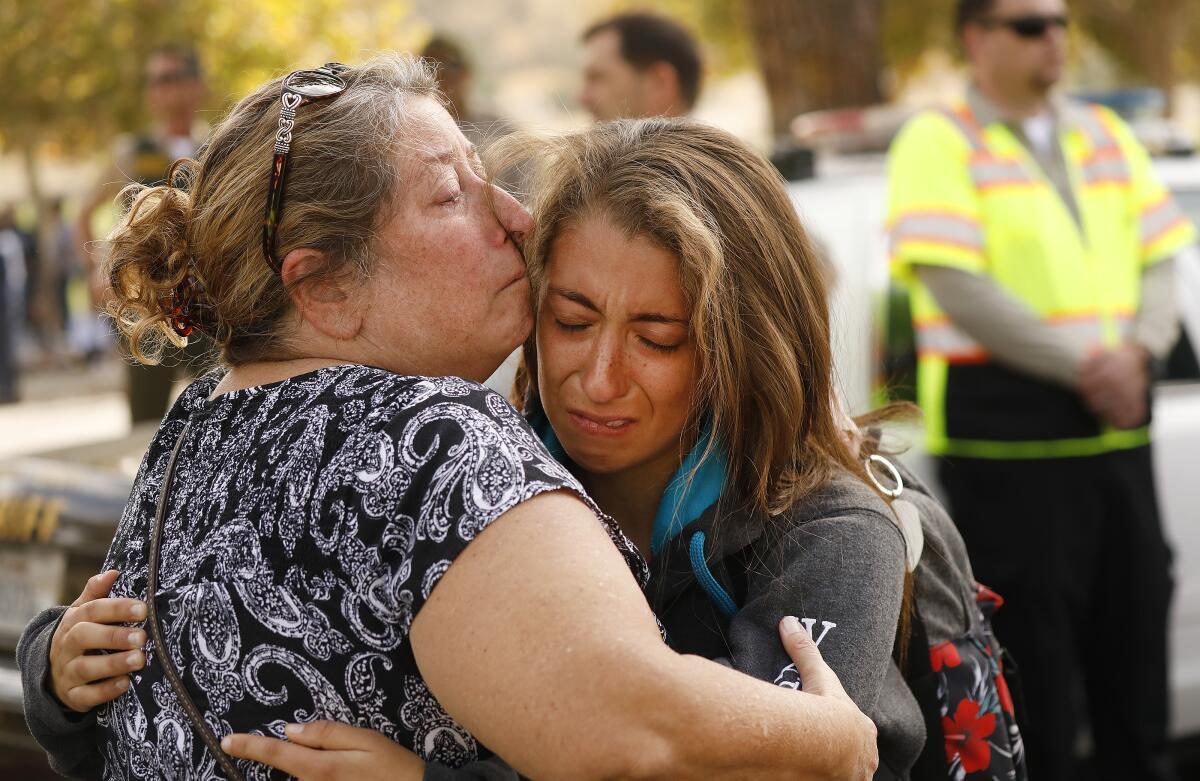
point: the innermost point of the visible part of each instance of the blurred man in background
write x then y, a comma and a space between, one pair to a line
639, 65
1038, 246
174, 90
13, 276
58, 263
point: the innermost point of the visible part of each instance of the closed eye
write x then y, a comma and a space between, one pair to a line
662, 348
571, 327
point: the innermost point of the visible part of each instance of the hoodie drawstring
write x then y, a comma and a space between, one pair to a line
719, 596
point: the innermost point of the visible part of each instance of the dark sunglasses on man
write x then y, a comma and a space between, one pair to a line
1028, 26
299, 88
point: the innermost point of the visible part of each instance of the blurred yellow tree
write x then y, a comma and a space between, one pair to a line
912, 27
1152, 40
719, 24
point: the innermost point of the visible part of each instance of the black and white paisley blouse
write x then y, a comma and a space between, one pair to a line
308, 522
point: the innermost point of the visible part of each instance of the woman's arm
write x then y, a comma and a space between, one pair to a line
538, 640
326, 750
643, 707
843, 576
62, 682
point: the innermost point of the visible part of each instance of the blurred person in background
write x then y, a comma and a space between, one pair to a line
454, 76
13, 274
639, 65
62, 261
32, 315
1038, 247
174, 89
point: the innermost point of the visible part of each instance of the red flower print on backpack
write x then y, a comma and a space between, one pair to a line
944, 655
967, 734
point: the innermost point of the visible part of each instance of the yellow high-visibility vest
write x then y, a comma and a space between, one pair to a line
972, 198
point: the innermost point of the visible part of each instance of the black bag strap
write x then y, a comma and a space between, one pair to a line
160, 645
918, 673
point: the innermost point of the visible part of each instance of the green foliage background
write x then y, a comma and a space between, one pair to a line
73, 69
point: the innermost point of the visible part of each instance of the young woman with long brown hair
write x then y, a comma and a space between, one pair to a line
681, 367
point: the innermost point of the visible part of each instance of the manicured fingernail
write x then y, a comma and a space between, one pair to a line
138, 611
791, 626
226, 743
294, 729
134, 659
136, 638
123, 684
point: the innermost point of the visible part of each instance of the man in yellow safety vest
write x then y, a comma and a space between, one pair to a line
1038, 248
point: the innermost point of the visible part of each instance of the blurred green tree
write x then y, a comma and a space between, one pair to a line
73, 71
811, 53
911, 28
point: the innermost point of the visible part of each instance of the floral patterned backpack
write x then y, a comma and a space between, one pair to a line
962, 685
965, 696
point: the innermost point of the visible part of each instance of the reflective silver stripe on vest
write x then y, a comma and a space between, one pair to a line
1159, 218
994, 172
944, 339
1101, 169
987, 170
1106, 164
1088, 120
1085, 331
943, 228
968, 128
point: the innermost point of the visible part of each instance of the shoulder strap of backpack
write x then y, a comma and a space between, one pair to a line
921, 680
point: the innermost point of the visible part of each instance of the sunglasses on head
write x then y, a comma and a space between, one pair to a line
299, 88
1029, 26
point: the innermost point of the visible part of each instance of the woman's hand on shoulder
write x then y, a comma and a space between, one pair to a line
79, 678
322, 750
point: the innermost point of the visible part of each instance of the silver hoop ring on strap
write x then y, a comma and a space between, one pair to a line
898, 488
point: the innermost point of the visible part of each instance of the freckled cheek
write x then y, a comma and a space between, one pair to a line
668, 387
446, 265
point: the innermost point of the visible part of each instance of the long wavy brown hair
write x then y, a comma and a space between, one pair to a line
756, 286
754, 282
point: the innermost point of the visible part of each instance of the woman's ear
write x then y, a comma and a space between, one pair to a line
327, 304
